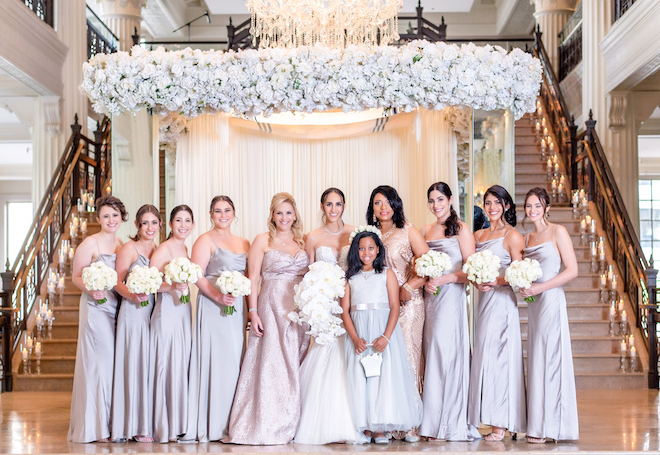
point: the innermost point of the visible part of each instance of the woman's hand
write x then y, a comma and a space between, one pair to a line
97, 295
226, 299
360, 345
380, 343
255, 322
140, 297
181, 287
433, 284
486, 287
404, 296
533, 290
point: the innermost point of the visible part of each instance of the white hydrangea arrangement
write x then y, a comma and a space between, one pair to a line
521, 275
432, 264
99, 277
144, 280
365, 228
182, 270
482, 267
234, 283
317, 301
250, 82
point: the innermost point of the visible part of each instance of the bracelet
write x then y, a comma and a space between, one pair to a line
388, 340
251, 310
408, 288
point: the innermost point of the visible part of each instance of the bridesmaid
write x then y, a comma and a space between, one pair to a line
169, 352
325, 415
266, 407
552, 405
130, 396
218, 338
446, 332
497, 380
92, 380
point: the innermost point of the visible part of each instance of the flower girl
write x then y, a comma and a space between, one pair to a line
382, 387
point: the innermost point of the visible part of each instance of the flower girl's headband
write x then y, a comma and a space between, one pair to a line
363, 228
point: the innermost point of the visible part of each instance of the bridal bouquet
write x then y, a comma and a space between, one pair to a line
482, 267
99, 277
432, 264
521, 275
181, 270
316, 301
234, 283
144, 280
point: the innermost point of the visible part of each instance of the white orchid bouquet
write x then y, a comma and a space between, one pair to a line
317, 301
521, 275
432, 264
234, 283
182, 270
99, 277
482, 267
144, 280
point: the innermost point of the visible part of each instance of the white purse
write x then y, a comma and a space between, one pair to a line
372, 363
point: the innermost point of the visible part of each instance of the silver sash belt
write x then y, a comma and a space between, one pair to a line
371, 306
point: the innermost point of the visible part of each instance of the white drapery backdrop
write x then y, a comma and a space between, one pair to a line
223, 155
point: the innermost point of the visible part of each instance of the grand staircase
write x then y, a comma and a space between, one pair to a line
595, 353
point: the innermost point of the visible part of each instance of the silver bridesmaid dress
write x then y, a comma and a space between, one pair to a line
446, 347
497, 380
131, 413
551, 403
95, 357
217, 350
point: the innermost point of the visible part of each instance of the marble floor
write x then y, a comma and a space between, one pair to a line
610, 421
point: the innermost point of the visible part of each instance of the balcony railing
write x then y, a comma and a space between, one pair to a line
620, 8
570, 44
44, 9
100, 39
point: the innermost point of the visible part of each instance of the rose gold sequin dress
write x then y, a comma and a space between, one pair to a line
399, 256
266, 408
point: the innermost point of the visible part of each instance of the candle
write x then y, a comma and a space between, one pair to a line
588, 219
620, 306
631, 341
633, 352
601, 254
556, 168
61, 284
555, 159
30, 342
610, 272
562, 179
539, 110
622, 347
554, 184
612, 312
53, 277
614, 282
24, 355
561, 187
624, 318
584, 202
552, 147
538, 126
543, 145
549, 164
543, 122
44, 308
545, 131
62, 257
574, 197
582, 195
37, 348
583, 224
40, 320
49, 315
51, 288
83, 226
593, 226
603, 281
71, 253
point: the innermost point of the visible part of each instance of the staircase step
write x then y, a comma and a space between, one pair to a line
65, 313
62, 347
64, 330
43, 382
585, 281
533, 166
589, 345
576, 311
581, 295
52, 364
579, 328
592, 363
610, 380
530, 158
525, 139
557, 214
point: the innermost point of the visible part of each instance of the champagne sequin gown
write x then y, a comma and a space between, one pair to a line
266, 408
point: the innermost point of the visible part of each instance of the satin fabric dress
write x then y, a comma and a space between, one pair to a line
91, 399
551, 401
169, 362
266, 408
447, 355
398, 257
217, 350
325, 415
389, 402
497, 379
131, 406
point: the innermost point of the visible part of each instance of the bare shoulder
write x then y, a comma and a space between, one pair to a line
261, 240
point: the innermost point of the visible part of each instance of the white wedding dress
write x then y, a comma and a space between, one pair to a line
326, 414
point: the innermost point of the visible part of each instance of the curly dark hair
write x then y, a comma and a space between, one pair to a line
395, 202
112, 202
505, 199
452, 225
353, 259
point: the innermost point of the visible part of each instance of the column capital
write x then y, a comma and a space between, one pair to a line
618, 102
121, 7
543, 7
51, 107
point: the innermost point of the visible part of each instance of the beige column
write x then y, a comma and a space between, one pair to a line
122, 17
551, 16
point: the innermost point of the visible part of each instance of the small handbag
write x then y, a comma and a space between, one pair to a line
372, 363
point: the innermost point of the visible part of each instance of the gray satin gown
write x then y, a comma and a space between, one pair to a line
131, 411
217, 350
552, 404
169, 357
446, 347
497, 379
95, 354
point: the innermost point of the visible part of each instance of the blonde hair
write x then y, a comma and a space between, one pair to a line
296, 226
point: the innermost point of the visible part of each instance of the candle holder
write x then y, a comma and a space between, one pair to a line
38, 368
603, 266
584, 238
26, 366
624, 328
633, 364
623, 363
594, 265
613, 326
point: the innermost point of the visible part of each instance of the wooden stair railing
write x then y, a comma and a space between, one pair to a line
85, 166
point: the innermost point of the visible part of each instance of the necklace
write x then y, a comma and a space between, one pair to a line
389, 232
333, 233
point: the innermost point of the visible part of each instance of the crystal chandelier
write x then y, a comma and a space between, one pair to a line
335, 23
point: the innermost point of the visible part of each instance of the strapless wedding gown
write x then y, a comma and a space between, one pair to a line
325, 413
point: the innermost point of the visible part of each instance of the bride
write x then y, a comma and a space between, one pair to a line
326, 415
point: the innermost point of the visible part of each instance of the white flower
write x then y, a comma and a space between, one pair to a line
99, 277
521, 274
144, 280
365, 228
234, 283
482, 267
432, 264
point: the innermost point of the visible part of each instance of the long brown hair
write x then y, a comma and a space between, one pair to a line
146, 208
542, 194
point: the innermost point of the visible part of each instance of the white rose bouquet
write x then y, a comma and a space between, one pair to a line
181, 270
521, 275
234, 283
482, 267
432, 264
99, 277
144, 280
316, 301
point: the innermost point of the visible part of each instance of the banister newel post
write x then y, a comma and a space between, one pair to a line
651, 276
591, 126
6, 321
573, 138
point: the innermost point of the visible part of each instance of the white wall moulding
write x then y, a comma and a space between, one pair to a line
632, 47
31, 50
51, 108
554, 6
618, 105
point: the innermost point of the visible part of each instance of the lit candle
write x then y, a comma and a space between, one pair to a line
562, 179
583, 224
538, 126
593, 249
49, 315
603, 280
555, 158
633, 352
612, 312
574, 197
554, 184
624, 318
620, 306
556, 168
61, 284
601, 254
62, 257
83, 226
610, 272
37, 348
549, 164
588, 219
71, 253
622, 347
44, 308
631, 341
51, 288
543, 145
30, 342
539, 110
593, 226
614, 282
585, 202
53, 277
561, 187
40, 320
545, 131
24, 355
552, 147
